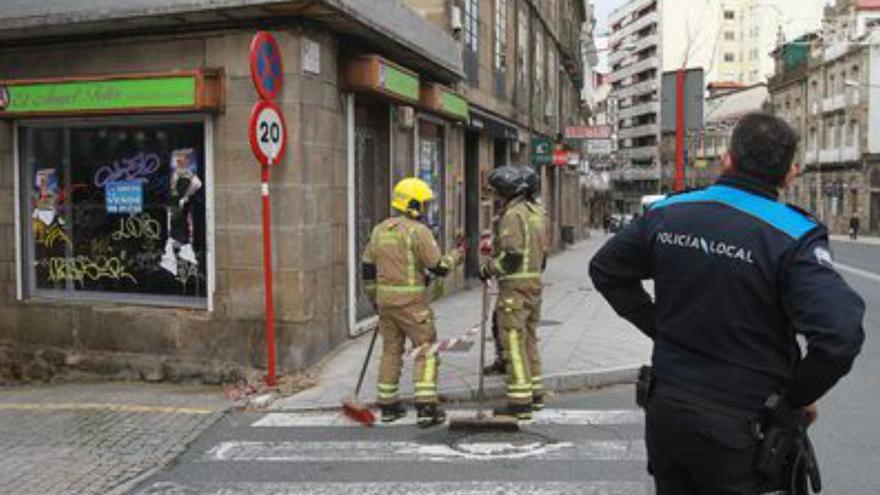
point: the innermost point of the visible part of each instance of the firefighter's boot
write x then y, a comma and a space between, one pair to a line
392, 412
538, 402
429, 415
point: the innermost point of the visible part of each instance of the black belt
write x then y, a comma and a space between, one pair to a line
668, 390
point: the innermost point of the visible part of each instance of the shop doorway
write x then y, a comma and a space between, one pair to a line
472, 202
432, 169
372, 186
875, 213
501, 157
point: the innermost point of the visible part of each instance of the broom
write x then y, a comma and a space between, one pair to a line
352, 407
483, 422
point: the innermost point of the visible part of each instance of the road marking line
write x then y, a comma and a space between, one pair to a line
102, 407
550, 417
857, 271
405, 488
381, 451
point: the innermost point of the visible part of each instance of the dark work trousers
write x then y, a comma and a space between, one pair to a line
694, 451
496, 336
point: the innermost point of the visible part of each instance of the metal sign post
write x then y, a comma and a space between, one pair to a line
268, 285
268, 138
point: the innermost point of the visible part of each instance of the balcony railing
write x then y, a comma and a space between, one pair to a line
849, 154
811, 156
628, 173
634, 26
831, 155
639, 109
635, 68
638, 131
623, 12
833, 103
640, 88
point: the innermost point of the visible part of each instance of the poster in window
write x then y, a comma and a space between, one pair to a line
123, 214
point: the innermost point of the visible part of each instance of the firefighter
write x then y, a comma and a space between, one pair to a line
517, 264
400, 258
533, 189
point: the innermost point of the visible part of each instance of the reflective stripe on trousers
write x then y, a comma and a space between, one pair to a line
520, 388
426, 388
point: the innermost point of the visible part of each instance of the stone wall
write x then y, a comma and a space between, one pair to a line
309, 213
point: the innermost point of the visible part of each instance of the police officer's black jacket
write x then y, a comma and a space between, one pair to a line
736, 275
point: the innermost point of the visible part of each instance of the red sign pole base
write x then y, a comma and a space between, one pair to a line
271, 379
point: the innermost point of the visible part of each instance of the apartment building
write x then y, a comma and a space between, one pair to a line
827, 87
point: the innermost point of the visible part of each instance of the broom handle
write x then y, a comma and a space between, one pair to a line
483, 318
357, 390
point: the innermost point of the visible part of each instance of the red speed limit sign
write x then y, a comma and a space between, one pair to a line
268, 132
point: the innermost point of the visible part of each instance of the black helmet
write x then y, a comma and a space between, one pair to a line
532, 180
507, 182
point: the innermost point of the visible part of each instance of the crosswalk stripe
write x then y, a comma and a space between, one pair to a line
384, 451
561, 417
404, 488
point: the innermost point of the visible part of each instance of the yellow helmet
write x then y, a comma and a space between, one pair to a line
410, 197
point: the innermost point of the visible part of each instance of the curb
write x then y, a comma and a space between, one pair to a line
555, 383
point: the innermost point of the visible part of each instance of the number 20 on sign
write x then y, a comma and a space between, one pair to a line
268, 133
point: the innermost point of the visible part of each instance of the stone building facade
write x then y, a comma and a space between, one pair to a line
825, 86
109, 118
523, 75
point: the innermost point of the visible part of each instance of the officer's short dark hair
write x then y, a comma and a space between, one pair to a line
763, 145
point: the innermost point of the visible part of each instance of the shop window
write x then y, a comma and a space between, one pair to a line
471, 40
500, 35
115, 211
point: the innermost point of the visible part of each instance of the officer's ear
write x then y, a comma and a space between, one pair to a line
793, 171
726, 163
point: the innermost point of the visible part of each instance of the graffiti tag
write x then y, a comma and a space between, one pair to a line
80, 269
141, 226
139, 166
48, 236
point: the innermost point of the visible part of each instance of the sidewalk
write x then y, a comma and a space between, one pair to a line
583, 343
872, 241
97, 438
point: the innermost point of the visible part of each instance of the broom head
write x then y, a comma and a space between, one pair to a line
358, 411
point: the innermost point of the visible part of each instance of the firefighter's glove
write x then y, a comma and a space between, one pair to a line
485, 272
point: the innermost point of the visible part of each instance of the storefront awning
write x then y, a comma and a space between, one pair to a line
184, 91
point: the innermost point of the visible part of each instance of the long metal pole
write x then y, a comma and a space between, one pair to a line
271, 379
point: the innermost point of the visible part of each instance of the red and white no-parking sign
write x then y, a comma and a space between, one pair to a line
268, 132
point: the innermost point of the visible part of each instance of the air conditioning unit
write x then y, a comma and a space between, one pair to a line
455, 19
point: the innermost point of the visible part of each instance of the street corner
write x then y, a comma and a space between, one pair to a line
253, 395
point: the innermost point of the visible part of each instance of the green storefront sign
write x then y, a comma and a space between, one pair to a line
454, 104
542, 151
107, 95
399, 82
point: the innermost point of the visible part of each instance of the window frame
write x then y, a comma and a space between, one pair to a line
25, 277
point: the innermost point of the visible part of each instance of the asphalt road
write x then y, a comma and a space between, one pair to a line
847, 435
589, 443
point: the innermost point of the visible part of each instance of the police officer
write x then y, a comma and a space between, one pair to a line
737, 275
517, 263
400, 257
